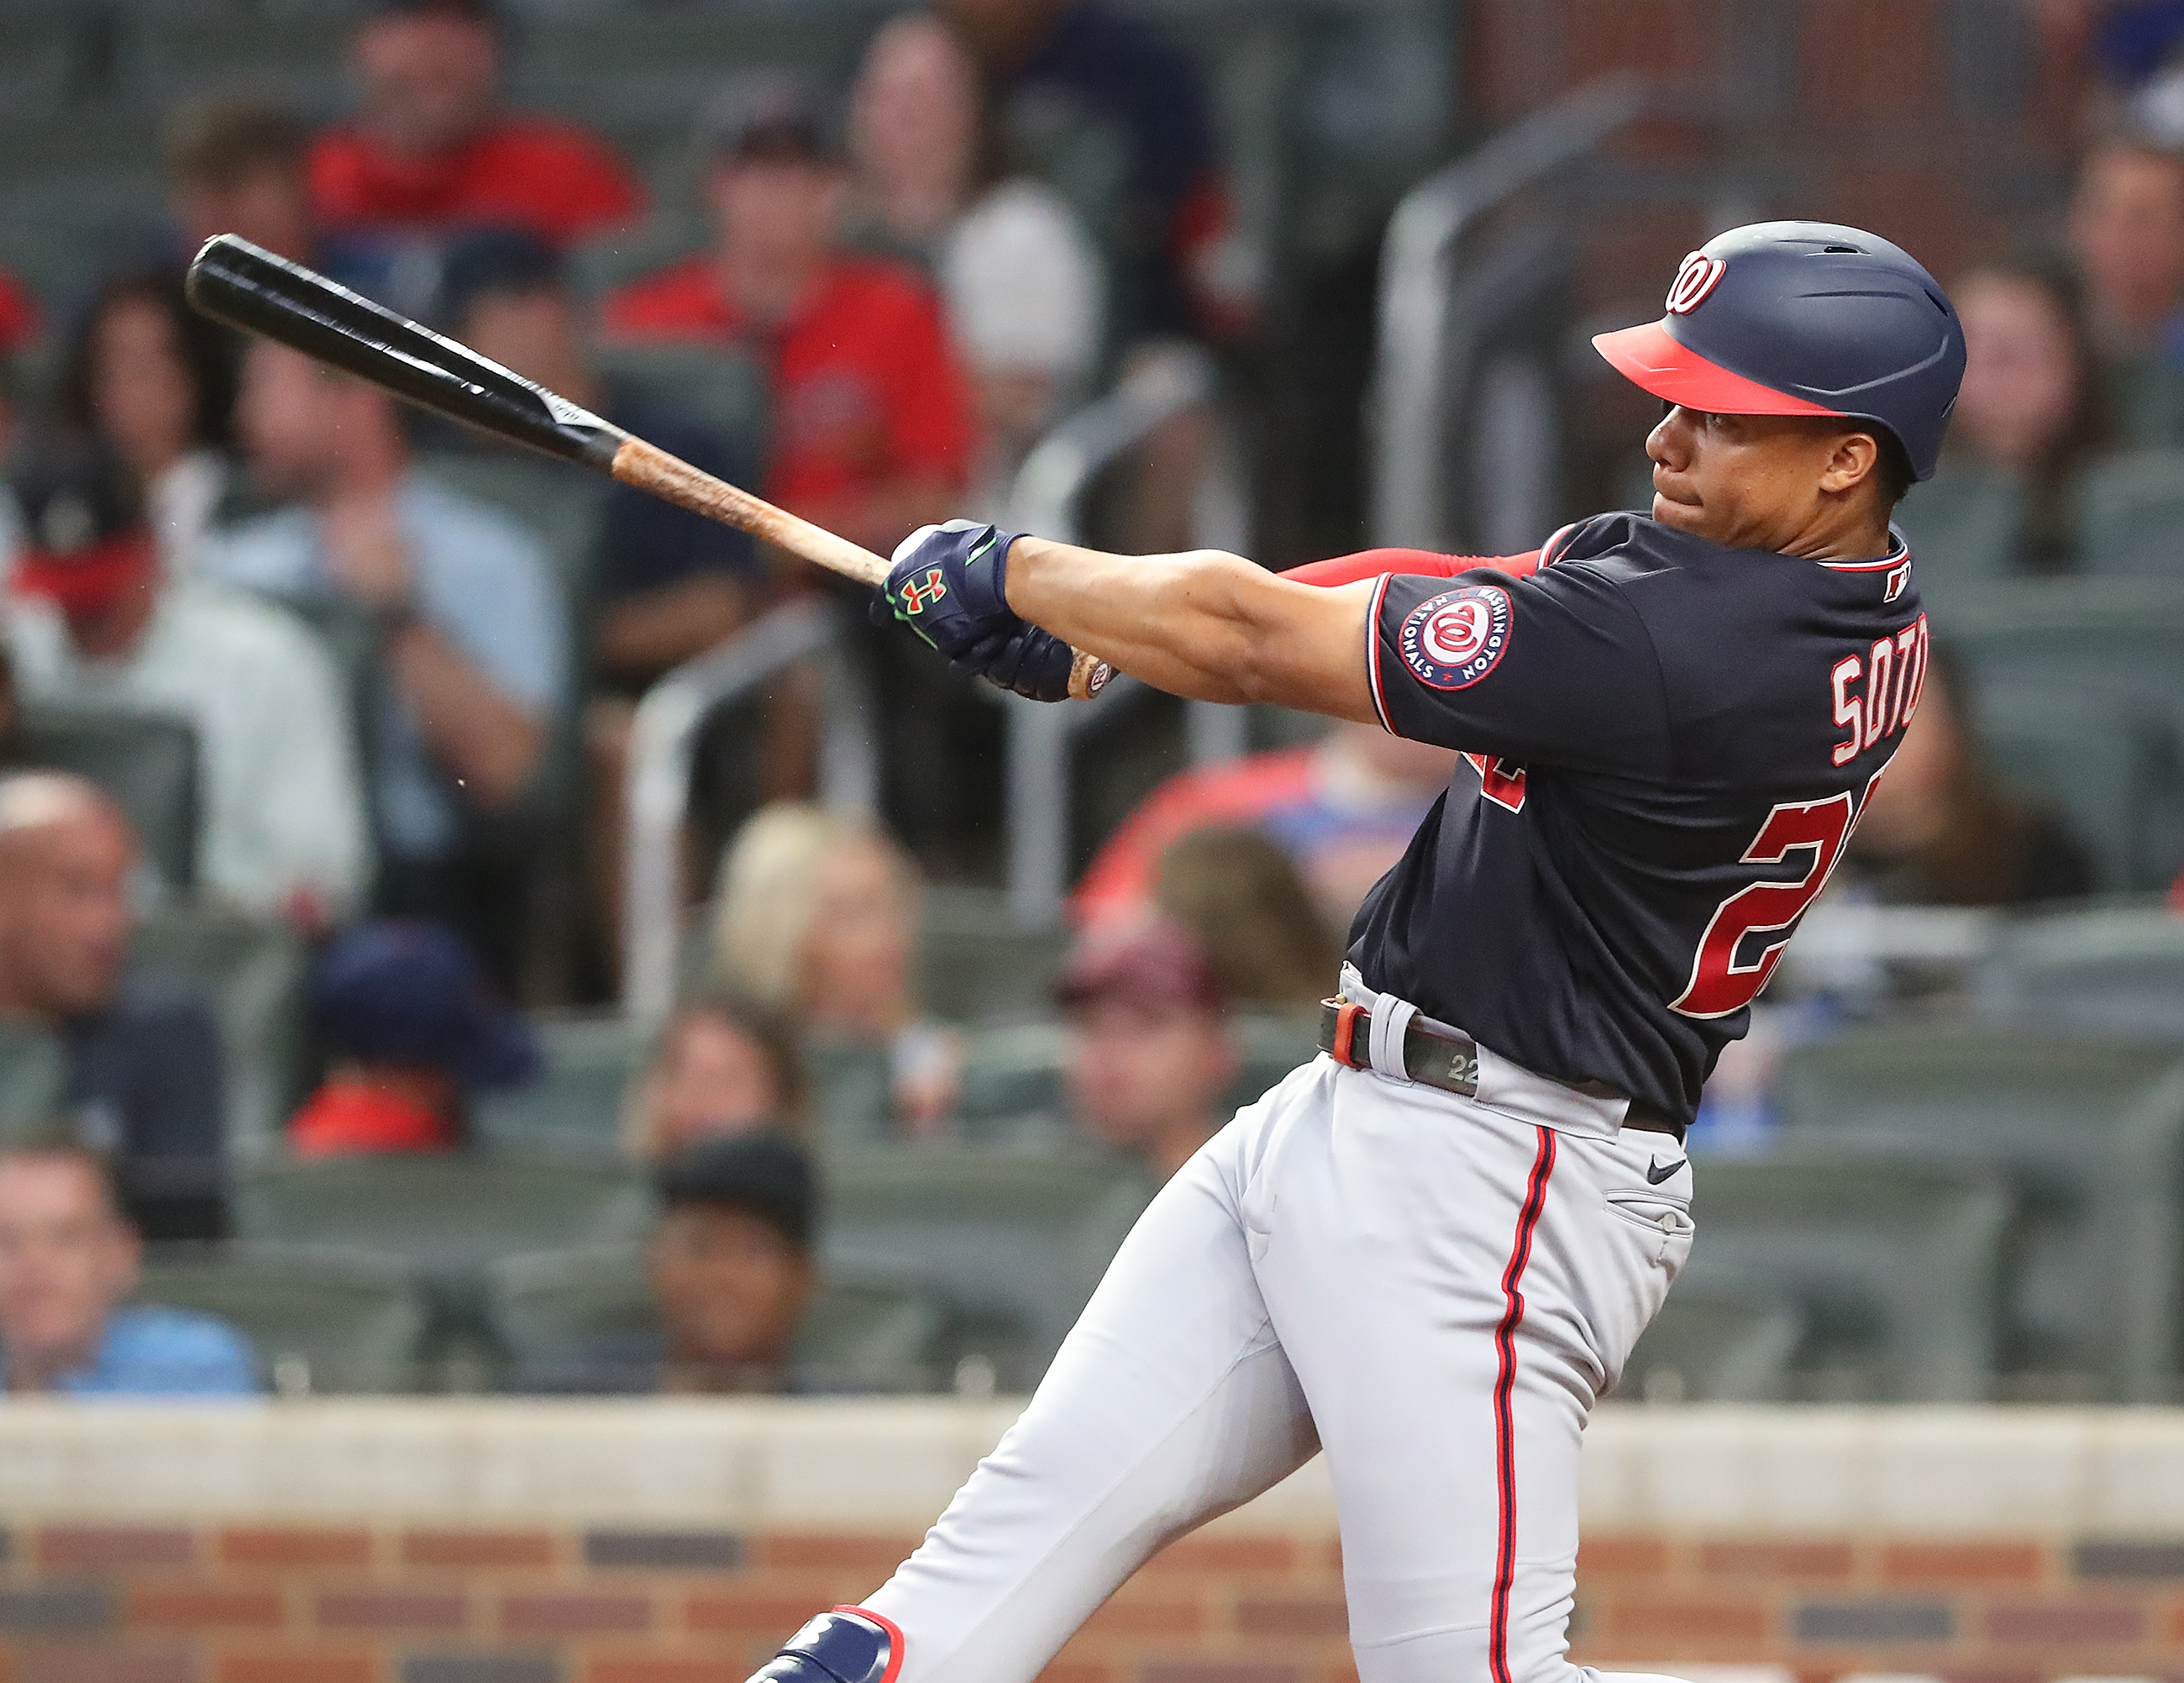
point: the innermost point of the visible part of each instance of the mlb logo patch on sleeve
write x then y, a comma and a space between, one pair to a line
1453, 640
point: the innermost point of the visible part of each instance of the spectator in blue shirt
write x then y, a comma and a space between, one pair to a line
471, 665
68, 1260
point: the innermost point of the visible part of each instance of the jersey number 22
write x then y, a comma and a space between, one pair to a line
1724, 978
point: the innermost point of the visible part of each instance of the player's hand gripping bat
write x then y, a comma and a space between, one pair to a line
250, 288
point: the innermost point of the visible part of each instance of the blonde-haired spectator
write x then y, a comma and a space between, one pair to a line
816, 918
722, 1068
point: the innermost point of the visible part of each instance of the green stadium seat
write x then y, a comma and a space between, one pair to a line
444, 1214
1962, 525
2129, 507
1011, 1243
2108, 970
1892, 1259
33, 1078
321, 1320
976, 963
1716, 1346
722, 387
557, 1312
1017, 1070
146, 762
573, 1108
2090, 1133
2146, 395
2100, 775
253, 971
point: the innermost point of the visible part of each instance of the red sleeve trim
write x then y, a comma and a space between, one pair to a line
1379, 563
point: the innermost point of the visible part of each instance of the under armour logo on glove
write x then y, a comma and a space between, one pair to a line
947, 585
918, 594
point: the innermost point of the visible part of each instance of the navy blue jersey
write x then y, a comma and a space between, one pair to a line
1665, 744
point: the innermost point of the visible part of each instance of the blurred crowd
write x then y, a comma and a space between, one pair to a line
399, 666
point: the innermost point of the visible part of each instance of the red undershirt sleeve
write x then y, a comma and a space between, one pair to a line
1373, 563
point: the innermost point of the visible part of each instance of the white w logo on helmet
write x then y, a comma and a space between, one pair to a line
1694, 280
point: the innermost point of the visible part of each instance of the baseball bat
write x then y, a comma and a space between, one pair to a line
250, 288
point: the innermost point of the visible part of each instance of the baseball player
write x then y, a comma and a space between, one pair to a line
1426, 1252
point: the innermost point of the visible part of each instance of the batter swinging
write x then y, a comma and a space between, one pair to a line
1427, 1252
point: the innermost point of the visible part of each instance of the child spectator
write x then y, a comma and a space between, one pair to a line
155, 380
68, 1261
141, 1060
430, 150
2028, 420
1152, 1050
817, 919
1940, 830
872, 432
1241, 896
1343, 809
1021, 278
469, 664
721, 1067
281, 825
411, 1033
731, 1269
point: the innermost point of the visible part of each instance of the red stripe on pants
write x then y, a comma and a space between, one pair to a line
1505, 1385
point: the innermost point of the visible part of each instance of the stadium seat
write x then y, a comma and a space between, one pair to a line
146, 762
252, 972
2116, 647
443, 1214
1716, 1346
1011, 1243
321, 1320
1892, 1258
573, 1108
2107, 971
1960, 525
33, 1077
2129, 507
2088, 1130
559, 1314
723, 388
976, 963
2099, 775
1017, 1071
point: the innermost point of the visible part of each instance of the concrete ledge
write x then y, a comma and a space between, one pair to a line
886, 1465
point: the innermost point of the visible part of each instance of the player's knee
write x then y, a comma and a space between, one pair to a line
842, 1647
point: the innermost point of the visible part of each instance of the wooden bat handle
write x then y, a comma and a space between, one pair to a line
651, 469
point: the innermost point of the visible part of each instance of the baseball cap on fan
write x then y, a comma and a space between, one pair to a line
407, 993
1804, 318
1157, 966
86, 542
768, 117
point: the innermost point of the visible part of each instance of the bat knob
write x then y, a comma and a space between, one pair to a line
1088, 677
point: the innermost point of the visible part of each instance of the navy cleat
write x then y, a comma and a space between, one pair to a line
846, 1646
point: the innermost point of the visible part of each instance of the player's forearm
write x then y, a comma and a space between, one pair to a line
1204, 625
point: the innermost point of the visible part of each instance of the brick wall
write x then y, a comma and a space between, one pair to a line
237, 1602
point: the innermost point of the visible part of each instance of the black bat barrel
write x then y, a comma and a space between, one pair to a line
250, 288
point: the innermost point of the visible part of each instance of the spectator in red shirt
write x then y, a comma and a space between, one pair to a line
430, 148
872, 432
410, 1034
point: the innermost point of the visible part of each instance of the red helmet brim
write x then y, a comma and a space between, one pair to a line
1648, 358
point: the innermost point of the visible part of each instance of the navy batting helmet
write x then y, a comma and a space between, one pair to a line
1804, 318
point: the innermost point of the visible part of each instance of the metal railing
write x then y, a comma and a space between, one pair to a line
1423, 351
657, 792
1048, 498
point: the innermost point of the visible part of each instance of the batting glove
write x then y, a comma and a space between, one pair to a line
1031, 662
947, 585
